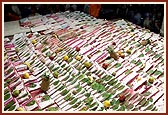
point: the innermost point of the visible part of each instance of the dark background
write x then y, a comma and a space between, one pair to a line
137, 13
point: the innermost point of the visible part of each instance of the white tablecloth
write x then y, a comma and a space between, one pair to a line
13, 27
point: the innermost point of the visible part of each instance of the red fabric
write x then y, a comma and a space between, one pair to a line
13, 17
94, 9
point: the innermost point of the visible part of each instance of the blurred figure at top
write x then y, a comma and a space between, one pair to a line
16, 9
147, 23
137, 18
9, 14
86, 8
94, 10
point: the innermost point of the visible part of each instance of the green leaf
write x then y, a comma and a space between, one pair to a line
93, 105
101, 88
71, 98
108, 78
74, 81
133, 61
5, 85
138, 45
8, 80
39, 109
117, 85
87, 94
46, 97
63, 65
32, 62
151, 100
85, 80
81, 76
88, 100
146, 94
33, 85
27, 54
143, 101
43, 50
106, 96
12, 108
79, 89
40, 66
121, 87
64, 92
6, 91
9, 105
68, 69
76, 105
67, 97
37, 35
10, 70
139, 63
31, 103
156, 56
117, 102
126, 103
114, 82
130, 106
52, 109
158, 72
95, 86
150, 107
55, 69
7, 96
56, 83
83, 91
115, 107
147, 49
142, 55
113, 102
122, 108
128, 71
147, 103
73, 101
117, 65
150, 71
61, 88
